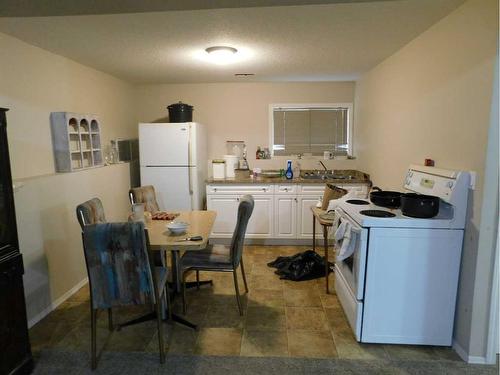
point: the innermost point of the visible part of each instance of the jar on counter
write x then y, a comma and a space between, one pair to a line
219, 169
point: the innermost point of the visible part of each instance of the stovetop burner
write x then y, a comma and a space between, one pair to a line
377, 213
357, 201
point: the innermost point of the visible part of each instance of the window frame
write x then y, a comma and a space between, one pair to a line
349, 107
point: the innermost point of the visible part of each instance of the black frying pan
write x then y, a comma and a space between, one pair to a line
389, 199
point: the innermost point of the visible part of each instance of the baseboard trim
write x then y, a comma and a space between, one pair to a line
475, 360
56, 303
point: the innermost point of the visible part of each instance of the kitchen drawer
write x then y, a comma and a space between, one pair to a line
240, 189
287, 189
312, 189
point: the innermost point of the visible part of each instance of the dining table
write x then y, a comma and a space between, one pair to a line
200, 224
161, 239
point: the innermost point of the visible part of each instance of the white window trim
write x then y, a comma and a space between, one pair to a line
349, 106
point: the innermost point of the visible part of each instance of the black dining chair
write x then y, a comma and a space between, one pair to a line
121, 273
221, 258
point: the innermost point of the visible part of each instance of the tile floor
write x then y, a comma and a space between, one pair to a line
282, 319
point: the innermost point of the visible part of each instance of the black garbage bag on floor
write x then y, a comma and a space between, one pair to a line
302, 266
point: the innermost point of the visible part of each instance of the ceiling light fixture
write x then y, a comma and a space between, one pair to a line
221, 54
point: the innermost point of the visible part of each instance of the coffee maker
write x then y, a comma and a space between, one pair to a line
238, 149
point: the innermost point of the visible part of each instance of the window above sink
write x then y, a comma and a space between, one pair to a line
311, 128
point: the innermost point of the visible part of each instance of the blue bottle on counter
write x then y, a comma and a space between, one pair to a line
289, 172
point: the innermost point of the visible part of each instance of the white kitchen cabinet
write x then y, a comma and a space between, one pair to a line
285, 216
305, 216
261, 221
226, 207
281, 211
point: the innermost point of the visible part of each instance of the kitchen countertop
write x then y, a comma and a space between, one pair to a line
359, 178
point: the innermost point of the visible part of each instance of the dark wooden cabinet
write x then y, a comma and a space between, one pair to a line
15, 351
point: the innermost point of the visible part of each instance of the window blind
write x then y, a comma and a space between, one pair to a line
312, 130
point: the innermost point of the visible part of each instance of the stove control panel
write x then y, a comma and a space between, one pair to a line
434, 181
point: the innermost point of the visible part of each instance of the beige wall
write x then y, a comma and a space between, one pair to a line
432, 100
33, 83
49, 234
240, 111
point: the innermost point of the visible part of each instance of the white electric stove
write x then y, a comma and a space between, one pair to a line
399, 285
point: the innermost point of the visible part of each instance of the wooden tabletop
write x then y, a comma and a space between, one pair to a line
200, 224
317, 211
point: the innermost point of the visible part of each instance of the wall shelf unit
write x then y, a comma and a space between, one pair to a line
76, 140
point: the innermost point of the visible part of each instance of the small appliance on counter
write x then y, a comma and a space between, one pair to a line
238, 149
231, 165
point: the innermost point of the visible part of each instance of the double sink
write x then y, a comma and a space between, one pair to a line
317, 174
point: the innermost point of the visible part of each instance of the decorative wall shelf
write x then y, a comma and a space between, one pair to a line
76, 140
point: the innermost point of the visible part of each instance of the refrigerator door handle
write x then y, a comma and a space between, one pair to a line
189, 162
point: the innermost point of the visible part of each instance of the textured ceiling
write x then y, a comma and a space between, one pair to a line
286, 43
39, 8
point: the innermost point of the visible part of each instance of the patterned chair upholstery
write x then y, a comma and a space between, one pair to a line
120, 272
221, 258
146, 195
90, 212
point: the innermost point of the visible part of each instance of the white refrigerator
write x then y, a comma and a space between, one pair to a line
173, 158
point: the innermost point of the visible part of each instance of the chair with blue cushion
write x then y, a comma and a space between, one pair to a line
92, 212
220, 258
121, 272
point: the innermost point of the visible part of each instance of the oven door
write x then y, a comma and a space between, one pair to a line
353, 268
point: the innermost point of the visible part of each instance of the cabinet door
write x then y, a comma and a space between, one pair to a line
226, 207
261, 221
285, 216
305, 217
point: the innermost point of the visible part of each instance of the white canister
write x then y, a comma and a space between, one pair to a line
231, 164
219, 169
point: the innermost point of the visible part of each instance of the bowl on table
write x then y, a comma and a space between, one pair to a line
177, 227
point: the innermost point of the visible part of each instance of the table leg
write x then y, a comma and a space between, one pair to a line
176, 272
314, 233
327, 268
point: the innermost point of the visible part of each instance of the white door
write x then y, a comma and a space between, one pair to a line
305, 217
226, 207
261, 221
285, 216
164, 144
171, 185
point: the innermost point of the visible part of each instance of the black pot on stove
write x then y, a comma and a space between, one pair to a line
388, 199
419, 205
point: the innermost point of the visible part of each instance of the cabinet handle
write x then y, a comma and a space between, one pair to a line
237, 199
296, 200
263, 189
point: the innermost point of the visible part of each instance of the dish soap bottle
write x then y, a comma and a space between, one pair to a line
289, 172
